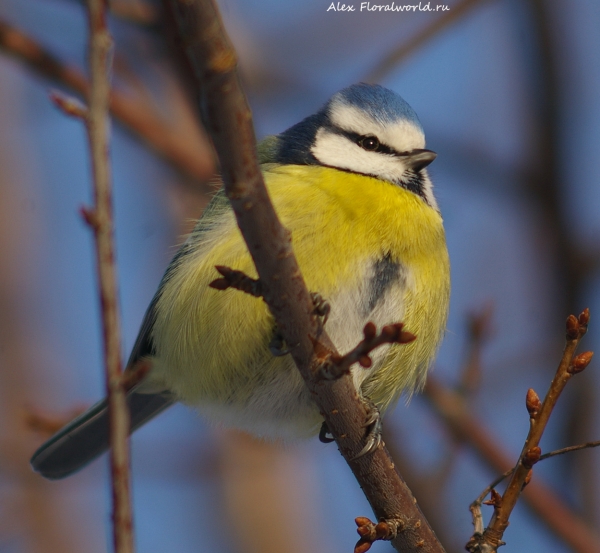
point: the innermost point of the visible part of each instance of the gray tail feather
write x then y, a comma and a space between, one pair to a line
86, 437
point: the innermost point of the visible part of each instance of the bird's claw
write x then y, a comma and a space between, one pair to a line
374, 427
321, 309
277, 345
323, 437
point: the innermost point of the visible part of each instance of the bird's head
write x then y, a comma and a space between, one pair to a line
364, 129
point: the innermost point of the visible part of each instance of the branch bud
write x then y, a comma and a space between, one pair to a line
90, 216
572, 327
69, 105
532, 402
495, 499
584, 317
580, 362
532, 457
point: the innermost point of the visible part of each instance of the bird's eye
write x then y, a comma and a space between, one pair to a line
369, 143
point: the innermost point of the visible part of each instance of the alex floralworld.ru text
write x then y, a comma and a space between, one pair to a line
393, 7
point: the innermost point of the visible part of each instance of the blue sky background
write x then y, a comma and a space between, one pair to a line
477, 89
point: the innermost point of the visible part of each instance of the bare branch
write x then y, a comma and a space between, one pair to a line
190, 157
228, 119
100, 220
48, 424
555, 453
337, 365
570, 364
466, 426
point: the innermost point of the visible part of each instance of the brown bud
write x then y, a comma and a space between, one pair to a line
584, 317
382, 530
531, 457
68, 104
219, 284
362, 521
365, 361
370, 331
533, 403
90, 216
572, 327
363, 531
580, 362
495, 499
362, 546
392, 332
406, 338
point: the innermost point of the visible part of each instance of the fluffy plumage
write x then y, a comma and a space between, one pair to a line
350, 184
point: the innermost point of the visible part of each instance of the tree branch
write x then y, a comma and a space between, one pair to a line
100, 220
543, 501
189, 157
490, 539
227, 117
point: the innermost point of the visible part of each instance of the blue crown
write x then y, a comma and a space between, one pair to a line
383, 105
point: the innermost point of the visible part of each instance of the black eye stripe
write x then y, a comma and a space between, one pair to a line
362, 140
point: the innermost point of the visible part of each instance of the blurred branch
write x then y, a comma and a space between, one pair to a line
48, 424
139, 12
400, 53
479, 329
192, 158
135, 11
574, 259
227, 117
99, 218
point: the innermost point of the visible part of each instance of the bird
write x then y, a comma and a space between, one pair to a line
350, 183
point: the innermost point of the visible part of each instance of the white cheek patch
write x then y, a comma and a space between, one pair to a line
336, 150
401, 135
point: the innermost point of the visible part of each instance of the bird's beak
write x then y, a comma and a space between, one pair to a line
419, 159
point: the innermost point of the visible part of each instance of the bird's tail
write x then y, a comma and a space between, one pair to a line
86, 437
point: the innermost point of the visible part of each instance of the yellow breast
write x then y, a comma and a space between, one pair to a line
213, 346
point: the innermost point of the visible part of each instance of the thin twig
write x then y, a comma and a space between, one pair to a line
337, 365
100, 217
228, 119
466, 426
555, 453
190, 157
539, 412
140, 12
398, 54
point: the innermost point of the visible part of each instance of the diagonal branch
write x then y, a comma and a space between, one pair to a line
226, 116
190, 157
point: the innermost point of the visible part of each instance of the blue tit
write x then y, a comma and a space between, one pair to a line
350, 183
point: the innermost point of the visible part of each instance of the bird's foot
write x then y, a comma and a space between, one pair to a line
373, 424
324, 435
321, 309
277, 345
